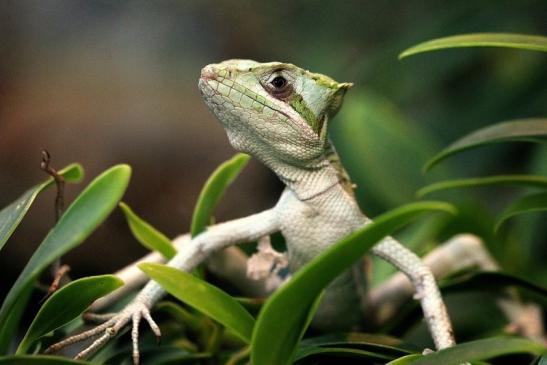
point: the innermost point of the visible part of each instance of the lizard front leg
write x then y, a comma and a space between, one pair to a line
229, 264
188, 257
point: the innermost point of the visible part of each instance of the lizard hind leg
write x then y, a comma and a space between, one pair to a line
463, 251
425, 286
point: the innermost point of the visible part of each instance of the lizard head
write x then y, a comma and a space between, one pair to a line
274, 109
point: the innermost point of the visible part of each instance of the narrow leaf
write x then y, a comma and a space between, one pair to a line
11, 216
506, 40
146, 234
378, 342
480, 350
517, 180
89, 209
341, 352
408, 359
284, 315
213, 190
40, 360
527, 130
526, 204
66, 304
204, 297
489, 281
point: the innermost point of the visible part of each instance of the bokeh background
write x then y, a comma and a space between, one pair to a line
107, 82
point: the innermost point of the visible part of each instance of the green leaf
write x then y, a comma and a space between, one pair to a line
480, 350
368, 346
342, 352
284, 315
506, 40
526, 204
11, 216
40, 360
404, 360
489, 281
518, 180
147, 235
204, 297
377, 342
66, 304
89, 209
527, 130
213, 190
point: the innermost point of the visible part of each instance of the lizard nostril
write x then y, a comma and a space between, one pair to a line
208, 73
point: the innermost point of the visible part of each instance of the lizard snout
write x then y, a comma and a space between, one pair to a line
209, 72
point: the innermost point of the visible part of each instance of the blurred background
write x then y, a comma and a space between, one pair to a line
107, 82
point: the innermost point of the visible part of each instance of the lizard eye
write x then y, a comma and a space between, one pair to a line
279, 87
279, 82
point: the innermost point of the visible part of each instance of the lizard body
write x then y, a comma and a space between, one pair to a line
279, 113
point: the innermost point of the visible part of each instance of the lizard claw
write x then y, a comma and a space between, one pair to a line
134, 312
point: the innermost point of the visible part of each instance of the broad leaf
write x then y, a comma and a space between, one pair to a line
66, 304
213, 190
507, 40
40, 360
146, 234
89, 209
480, 350
204, 297
517, 180
528, 130
283, 317
526, 204
11, 216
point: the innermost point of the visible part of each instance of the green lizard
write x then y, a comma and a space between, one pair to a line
279, 113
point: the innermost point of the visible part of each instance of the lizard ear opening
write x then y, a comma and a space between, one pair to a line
338, 98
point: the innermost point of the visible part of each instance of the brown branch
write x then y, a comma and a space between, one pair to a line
58, 271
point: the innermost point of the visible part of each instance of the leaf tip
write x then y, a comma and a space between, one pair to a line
73, 173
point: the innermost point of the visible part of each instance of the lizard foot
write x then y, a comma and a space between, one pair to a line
134, 312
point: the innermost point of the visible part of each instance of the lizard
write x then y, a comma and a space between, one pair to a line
279, 113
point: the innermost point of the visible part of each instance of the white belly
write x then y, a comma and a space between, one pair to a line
311, 227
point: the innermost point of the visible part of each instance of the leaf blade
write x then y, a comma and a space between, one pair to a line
213, 190
66, 304
146, 234
526, 204
506, 40
517, 180
521, 130
285, 313
13, 214
204, 297
40, 360
480, 350
87, 211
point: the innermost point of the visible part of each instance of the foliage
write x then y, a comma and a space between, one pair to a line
212, 324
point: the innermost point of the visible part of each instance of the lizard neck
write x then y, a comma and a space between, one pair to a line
315, 177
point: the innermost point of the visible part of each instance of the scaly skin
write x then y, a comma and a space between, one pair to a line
279, 114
